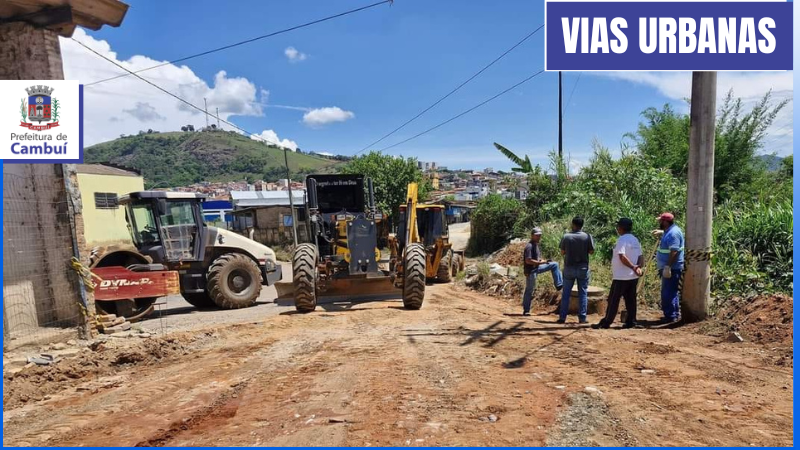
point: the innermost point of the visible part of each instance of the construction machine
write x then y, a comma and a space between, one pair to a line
442, 262
344, 257
177, 253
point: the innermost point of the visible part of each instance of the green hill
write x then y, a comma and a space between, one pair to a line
182, 158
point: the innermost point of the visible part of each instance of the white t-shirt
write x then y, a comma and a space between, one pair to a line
627, 245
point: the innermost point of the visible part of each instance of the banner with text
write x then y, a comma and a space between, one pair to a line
668, 35
41, 121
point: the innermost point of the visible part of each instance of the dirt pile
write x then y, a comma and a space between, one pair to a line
36, 383
510, 255
766, 319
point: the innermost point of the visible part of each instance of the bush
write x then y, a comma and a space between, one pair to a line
492, 224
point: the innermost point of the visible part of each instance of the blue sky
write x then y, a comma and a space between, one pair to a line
378, 68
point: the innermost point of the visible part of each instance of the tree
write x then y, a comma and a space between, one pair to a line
390, 176
663, 139
524, 164
786, 169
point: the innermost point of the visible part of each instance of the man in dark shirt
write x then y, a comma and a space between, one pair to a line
576, 246
533, 266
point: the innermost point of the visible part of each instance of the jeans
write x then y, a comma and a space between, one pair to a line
530, 283
670, 302
581, 276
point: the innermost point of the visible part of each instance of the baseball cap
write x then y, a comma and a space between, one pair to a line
625, 222
536, 230
666, 216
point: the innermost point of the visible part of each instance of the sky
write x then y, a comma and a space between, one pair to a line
340, 85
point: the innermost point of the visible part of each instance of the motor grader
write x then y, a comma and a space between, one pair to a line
177, 253
442, 262
344, 257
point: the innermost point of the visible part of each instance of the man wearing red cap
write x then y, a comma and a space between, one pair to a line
670, 266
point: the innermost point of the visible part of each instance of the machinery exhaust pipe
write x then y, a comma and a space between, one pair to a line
311, 185
371, 190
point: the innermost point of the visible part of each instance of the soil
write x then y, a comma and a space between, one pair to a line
510, 255
767, 319
466, 369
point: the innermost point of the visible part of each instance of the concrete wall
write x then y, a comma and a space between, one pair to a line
28, 53
105, 226
40, 291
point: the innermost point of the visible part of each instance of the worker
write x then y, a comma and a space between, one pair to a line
626, 268
576, 246
669, 260
533, 266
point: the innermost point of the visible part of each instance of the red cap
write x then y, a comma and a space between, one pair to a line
666, 216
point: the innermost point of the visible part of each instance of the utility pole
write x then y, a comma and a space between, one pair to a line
217, 117
206, 103
700, 201
560, 114
291, 200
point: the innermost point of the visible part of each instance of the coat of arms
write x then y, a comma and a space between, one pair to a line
41, 107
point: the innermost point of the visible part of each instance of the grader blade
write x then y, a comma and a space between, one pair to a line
353, 288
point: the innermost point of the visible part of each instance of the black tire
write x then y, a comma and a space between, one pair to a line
234, 281
199, 300
443, 274
304, 277
414, 276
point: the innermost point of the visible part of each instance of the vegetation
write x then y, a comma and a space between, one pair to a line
183, 158
390, 175
753, 238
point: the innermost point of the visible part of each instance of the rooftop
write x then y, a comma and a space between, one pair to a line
106, 169
62, 16
244, 199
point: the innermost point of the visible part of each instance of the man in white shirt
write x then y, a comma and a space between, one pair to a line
626, 268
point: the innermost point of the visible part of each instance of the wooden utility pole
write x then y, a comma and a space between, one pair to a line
291, 200
700, 201
560, 115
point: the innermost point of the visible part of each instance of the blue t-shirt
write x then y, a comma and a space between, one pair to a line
672, 240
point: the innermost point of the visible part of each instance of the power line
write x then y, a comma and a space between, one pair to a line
182, 100
570, 95
465, 112
453, 91
236, 44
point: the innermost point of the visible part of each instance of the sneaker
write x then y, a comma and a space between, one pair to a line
629, 325
559, 288
526, 313
583, 321
561, 321
602, 325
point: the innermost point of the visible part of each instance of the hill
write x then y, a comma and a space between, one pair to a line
771, 162
182, 158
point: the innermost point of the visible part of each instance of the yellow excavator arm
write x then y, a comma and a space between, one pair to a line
412, 233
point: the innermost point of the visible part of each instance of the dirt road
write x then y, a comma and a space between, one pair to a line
461, 371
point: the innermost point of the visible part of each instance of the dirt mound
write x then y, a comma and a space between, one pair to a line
767, 319
39, 382
510, 255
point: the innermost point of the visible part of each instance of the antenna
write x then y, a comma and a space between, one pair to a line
206, 103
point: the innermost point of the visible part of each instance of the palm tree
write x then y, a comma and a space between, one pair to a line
525, 165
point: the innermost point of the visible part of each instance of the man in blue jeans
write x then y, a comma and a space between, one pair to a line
670, 266
576, 246
533, 266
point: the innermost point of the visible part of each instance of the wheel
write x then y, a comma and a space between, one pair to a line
414, 276
131, 309
234, 281
443, 274
199, 300
456, 264
304, 273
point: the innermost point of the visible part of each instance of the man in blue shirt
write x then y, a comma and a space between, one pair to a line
576, 246
533, 265
670, 266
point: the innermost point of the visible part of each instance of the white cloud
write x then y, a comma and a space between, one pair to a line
272, 137
127, 105
294, 55
749, 86
323, 116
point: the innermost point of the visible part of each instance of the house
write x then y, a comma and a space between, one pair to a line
217, 211
266, 216
100, 186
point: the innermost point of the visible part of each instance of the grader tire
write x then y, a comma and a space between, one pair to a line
199, 300
414, 276
443, 274
304, 277
234, 281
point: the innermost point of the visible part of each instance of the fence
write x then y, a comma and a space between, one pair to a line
42, 300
